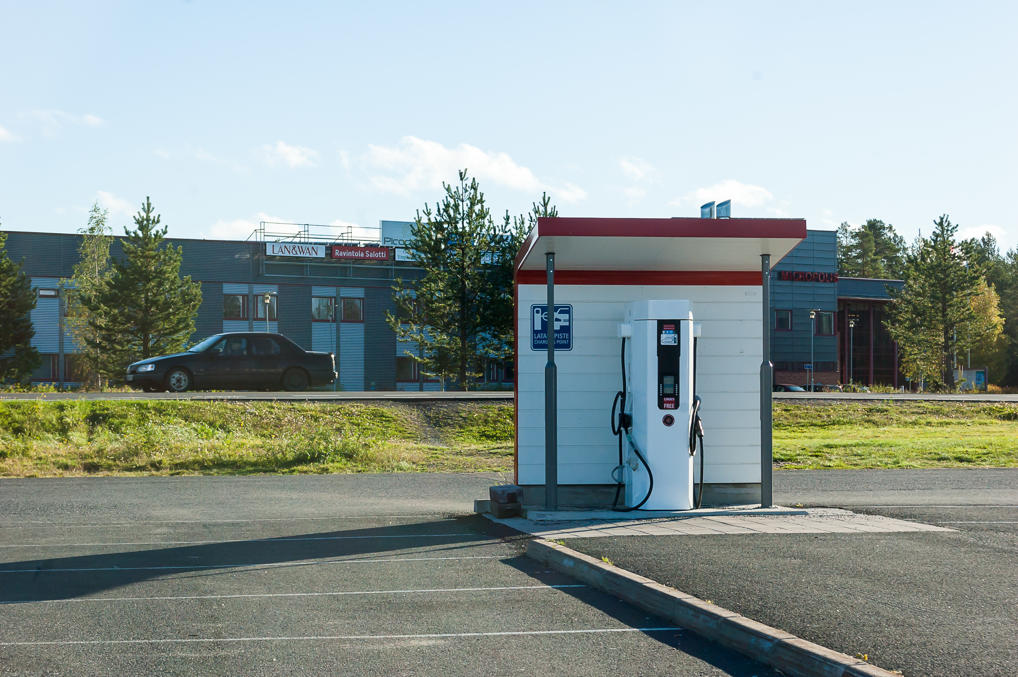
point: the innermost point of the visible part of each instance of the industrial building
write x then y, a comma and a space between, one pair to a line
331, 291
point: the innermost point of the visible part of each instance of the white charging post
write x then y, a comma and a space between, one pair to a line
651, 282
660, 385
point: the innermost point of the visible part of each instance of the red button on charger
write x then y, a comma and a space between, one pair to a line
668, 419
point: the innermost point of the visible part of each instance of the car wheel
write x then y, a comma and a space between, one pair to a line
178, 380
295, 379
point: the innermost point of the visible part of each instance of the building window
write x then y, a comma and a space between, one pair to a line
234, 306
353, 310
783, 320
49, 293
323, 309
824, 323
406, 370
260, 307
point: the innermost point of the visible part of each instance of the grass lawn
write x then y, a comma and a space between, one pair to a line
166, 437
39, 438
895, 435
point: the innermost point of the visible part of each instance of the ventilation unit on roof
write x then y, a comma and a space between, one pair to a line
707, 210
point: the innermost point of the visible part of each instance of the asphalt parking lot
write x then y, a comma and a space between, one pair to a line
370, 574
922, 603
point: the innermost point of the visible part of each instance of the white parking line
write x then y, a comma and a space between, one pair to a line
270, 565
341, 593
924, 505
980, 522
278, 539
29, 524
318, 638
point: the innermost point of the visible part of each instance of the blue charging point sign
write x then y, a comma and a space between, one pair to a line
563, 327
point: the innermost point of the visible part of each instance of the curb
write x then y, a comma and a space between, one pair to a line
771, 646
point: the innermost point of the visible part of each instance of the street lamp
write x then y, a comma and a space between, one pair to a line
812, 333
267, 300
851, 347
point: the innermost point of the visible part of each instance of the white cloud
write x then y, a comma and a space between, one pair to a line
291, 156
417, 164
634, 193
741, 194
51, 120
114, 204
998, 232
637, 169
6, 136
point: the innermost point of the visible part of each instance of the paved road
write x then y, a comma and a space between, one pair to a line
246, 396
368, 574
923, 603
501, 396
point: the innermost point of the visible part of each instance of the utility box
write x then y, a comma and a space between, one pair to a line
637, 277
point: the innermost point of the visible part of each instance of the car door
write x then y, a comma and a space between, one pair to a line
266, 363
228, 363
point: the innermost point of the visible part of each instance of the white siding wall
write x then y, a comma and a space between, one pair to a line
729, 355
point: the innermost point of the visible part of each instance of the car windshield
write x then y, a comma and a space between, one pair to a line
204, 345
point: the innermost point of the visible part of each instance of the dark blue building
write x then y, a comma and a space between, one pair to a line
334, 294
824, 323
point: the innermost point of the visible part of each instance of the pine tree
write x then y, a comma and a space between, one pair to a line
871, 250
144, 308
933, 316
17, 299
509, 239
445, 312
88, 278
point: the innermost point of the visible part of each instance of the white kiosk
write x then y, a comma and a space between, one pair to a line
668, 319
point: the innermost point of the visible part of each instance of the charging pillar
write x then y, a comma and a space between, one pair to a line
661, 385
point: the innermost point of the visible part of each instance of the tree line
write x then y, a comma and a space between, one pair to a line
958, 302
117, 310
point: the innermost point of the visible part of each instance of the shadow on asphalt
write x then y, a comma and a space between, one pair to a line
62, 578
56, 578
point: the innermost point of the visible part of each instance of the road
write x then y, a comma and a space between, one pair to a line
492, 395
341, 574
922, 603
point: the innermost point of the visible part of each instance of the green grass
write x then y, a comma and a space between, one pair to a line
39, 438
167, 437
895, 435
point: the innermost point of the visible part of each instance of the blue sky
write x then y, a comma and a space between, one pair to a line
230, 113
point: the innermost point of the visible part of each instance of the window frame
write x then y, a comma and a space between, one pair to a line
788, 313
817, 328
260, 308
243, 307
354, 299
332, 309
414, 370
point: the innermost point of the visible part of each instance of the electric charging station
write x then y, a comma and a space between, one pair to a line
645, 386
659, 381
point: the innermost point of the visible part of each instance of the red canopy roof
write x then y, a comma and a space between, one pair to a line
676, 244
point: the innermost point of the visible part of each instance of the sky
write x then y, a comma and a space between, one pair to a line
232, 113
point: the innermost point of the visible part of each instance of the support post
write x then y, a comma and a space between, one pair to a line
551, 399
766, 385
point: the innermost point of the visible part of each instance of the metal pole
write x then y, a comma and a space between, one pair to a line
551, 399
812, 358
61, 374
766, 385
851, 350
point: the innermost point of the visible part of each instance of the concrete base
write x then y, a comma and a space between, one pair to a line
587, 496
539, 515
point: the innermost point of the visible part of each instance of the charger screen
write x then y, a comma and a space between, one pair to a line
667, 385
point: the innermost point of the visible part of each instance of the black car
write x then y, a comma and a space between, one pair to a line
235, 360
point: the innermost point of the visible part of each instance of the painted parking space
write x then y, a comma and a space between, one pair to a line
393, 593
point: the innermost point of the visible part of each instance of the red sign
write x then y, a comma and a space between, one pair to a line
340, 251
805, 276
